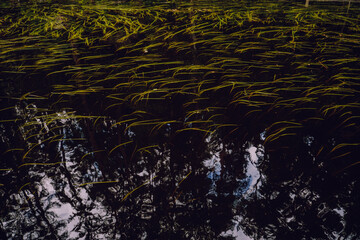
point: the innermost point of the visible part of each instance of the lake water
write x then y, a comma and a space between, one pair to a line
197, 121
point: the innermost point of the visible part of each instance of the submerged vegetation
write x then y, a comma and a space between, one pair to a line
132, 84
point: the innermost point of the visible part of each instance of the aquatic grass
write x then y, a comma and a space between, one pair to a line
282, 131
206, 60
101, 182
135, 189
39, 164
120, 145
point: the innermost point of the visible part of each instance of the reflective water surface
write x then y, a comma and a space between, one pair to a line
123, 148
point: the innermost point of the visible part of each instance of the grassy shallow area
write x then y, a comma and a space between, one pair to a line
201, 67
127, 84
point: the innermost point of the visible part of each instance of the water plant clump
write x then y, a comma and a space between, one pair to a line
146, 79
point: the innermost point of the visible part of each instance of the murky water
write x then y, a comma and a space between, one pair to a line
219, 130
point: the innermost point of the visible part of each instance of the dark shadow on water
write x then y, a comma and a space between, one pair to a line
187, 186
244, 125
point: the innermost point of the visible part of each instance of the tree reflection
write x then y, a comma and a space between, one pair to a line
165, 142
194, 188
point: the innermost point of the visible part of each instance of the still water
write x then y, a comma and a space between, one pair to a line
179, 122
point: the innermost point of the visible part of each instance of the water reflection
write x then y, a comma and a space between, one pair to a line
182, 187
170, 142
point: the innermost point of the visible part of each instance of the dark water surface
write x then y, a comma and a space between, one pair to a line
201, 121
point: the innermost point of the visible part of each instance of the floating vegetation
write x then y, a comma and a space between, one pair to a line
143, 77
